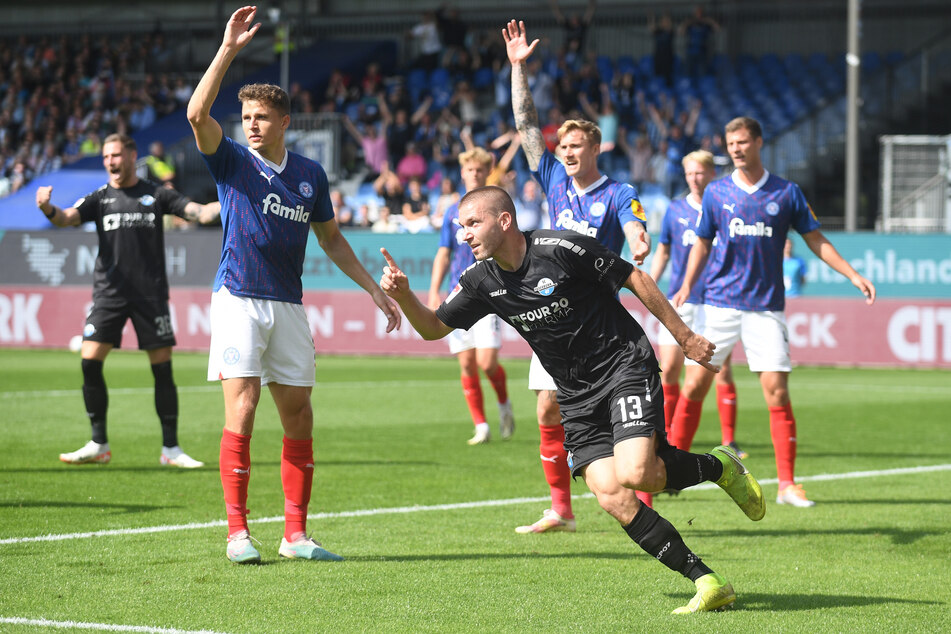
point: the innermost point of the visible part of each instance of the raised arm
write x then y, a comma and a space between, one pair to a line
337, 248
395, 284
202, 214
68, 217
821, 246
526, 117
694, 346
238, 32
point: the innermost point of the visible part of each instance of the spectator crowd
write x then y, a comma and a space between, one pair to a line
60, 97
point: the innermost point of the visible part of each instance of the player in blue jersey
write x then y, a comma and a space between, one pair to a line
750, 213
677, 235
270, 200
479, 346
580, 199
559, 291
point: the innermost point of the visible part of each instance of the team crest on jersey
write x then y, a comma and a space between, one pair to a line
545, 287
306, 189
772, 208
638, 210
597, 209
148, 200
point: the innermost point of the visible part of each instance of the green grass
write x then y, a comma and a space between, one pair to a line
872, 556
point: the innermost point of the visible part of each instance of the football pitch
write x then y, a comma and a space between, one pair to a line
426, 523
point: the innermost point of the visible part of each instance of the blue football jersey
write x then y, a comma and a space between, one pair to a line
266, 211
600, 211
679, 232
751, 224
452, 236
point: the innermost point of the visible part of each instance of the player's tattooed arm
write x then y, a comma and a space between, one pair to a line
638, 240
202, 214
519, 49
526, 117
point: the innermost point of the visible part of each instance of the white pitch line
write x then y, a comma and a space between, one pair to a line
75, 625
437, 507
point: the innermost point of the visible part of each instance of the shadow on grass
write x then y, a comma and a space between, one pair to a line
786, 602
899, 537
125, 508
483, 556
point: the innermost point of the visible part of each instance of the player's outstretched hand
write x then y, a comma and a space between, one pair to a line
43, 195
867, 288
238, 31
700, 350
516, 42
641, 248
394, 281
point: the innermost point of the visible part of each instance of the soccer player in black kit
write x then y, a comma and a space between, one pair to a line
558, 291
130, 282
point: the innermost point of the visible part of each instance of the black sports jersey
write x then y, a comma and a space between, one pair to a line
131, 260
562, 300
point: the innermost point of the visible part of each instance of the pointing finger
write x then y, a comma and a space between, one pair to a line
389, 259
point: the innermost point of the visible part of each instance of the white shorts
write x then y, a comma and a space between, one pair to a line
692, 314
485, 333
538, 377
260, 337
763, 333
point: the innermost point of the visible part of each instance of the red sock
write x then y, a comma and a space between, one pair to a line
297, 477
782, 427
726, 404
671, 395
234, 463
685, 423
646, 498
472, 390
555, 464
498, 383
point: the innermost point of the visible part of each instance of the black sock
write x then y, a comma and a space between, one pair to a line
96, 398
685, 469
659, 539
166, 402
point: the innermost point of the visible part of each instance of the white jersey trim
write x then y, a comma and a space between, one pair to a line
274, 166
590, 188
749, 189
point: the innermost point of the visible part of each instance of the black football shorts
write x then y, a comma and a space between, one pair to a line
150, 318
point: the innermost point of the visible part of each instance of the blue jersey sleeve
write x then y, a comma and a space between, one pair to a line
548, 170
323, 208
628, 207
707, 226
803, 218
666, 226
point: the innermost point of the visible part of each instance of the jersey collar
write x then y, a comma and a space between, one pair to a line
697, 206
590, 188
749, 189
274, 166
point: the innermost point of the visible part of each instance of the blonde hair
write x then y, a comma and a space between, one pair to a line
703, 157
476, 154
590, 130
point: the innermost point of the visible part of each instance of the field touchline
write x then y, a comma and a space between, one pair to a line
439, 507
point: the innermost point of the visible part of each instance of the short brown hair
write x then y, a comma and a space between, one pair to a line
500, 199
128, 143
749, 123
268, 94
590, 130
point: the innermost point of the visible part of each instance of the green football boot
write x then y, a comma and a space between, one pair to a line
740, 484
714, 593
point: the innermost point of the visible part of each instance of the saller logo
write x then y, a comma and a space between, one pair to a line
272, 205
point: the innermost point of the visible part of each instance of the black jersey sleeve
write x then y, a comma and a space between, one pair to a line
171, 201
89, 206
464, 306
